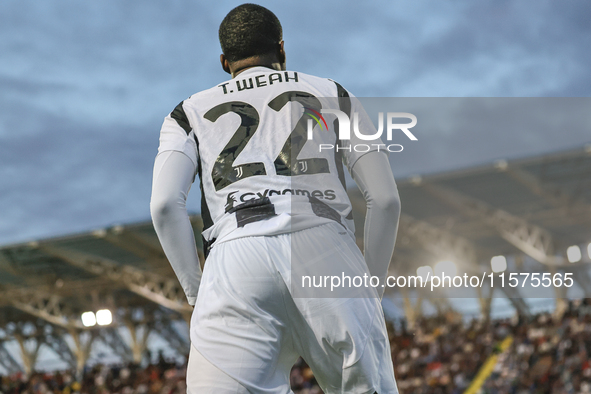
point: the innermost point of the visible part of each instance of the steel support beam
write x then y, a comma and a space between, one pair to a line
517, 301
75, 356
442, 304
6, 265
82, 347
112, 338
58, 344
412, 310
532, 240
28, 353
160, 290
139, 338
572, 206
135, 244
439, 242
171, 335
581, 276
48, 307
7, 361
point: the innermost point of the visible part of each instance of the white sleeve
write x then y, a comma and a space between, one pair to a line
177, 134
369, 141
373, 175
174, 172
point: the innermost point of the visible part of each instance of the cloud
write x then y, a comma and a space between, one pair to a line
73, 176
452, 49
457, 133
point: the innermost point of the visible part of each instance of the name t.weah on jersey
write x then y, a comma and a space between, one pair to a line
344, 131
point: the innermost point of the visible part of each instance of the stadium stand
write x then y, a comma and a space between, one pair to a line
114, 287
547, 355
442, 354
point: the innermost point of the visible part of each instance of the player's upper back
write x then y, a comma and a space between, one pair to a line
248, 138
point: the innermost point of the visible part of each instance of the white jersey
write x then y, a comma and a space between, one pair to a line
259, 172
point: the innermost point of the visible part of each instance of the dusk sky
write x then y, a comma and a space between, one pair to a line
84, 87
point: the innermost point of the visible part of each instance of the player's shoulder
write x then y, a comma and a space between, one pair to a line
206, 94
334, 88
318, 81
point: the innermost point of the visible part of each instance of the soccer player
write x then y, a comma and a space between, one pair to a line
269, 154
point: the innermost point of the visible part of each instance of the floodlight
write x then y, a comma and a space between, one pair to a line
573, 253
498, 263
425, 272
100, 233
104, 317
88, 319
501, 165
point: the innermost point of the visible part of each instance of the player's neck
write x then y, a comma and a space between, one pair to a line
243, 65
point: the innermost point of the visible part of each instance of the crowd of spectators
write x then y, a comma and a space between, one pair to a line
439, 354
548, 355
162, 377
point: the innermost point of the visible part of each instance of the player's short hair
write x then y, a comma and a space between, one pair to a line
249, 30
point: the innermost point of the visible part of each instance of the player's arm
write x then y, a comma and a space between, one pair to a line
373, 175
174, 172
173, 176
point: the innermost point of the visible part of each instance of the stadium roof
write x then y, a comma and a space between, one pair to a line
57, 279
547, 197
532, 209
535, 207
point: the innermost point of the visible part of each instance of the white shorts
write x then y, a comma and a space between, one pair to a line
249, 330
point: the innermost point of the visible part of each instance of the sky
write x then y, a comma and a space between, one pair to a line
84, 87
